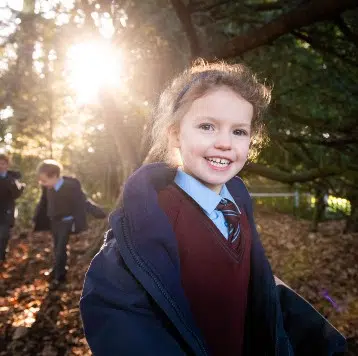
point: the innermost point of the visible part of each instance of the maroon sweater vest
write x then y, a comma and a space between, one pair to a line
215, 275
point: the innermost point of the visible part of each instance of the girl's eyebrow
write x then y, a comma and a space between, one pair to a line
218, 120
206, 118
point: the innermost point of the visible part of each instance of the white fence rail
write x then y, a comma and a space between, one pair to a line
332, 203
296, 195
273, 194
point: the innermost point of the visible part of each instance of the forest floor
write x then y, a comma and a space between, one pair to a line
35, 320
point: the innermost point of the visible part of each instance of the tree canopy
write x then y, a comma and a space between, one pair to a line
306, 50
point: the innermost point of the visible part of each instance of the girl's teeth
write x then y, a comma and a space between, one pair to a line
218, 162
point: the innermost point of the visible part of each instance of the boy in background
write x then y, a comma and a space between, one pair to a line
10, 190
62, 209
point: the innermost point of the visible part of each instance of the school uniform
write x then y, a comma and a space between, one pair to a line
10, 190
71, 198
168, 282
62, 209
64, 200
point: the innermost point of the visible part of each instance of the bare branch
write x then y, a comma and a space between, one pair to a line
304, 15
296, 177
269, 6
351, 36
185, 19
206, 8
329, 142
347, 126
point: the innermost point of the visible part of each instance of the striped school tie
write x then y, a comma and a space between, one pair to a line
232, 216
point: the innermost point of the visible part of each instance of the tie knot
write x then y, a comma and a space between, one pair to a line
226, 205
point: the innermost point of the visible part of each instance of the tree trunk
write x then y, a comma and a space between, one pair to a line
188, 27
352, 219
18, 95
127, 150
319, 208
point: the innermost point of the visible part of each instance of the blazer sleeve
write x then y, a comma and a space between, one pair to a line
118, 315
309, 332
40, 219
95, 210
15, 187
79, 207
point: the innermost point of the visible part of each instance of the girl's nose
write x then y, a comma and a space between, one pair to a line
223, 141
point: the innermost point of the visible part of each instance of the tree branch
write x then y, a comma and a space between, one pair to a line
284, 177
317, 44
185, 19
206, 8
304, 15
334, 142
348, 125
270, 6
299, 151
351, 36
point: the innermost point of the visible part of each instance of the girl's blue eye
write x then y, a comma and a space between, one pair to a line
206, 127
240, 133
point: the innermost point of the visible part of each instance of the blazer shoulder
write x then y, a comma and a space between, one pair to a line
14, 174
238, 188
72, 181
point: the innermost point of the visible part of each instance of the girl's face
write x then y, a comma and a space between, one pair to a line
214, 137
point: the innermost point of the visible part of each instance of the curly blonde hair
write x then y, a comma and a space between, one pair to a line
194, 83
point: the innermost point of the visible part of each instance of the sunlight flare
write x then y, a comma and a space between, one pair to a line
91, 66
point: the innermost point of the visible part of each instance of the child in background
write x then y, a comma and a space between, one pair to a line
62, 209
183, 271
10, 190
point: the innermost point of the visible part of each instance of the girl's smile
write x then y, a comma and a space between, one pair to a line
218, 163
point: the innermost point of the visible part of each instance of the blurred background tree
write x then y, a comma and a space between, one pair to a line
79, 79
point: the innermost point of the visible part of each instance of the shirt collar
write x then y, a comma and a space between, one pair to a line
58, 184
226, 195
205, 197
3, 174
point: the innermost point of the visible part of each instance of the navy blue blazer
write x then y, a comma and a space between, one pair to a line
10, 190
81, 207
133, 302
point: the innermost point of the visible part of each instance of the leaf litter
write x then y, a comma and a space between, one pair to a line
35, 320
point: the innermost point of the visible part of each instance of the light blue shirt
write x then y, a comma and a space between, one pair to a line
57, 187
3, 174
58, 184
206, 198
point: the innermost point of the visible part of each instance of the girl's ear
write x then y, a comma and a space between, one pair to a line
174, 136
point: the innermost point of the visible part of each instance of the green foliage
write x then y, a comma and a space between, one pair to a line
313, 71
27, 202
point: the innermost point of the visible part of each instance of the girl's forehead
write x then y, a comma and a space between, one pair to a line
221, 102
222, 90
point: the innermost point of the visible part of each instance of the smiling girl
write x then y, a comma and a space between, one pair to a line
182, 270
